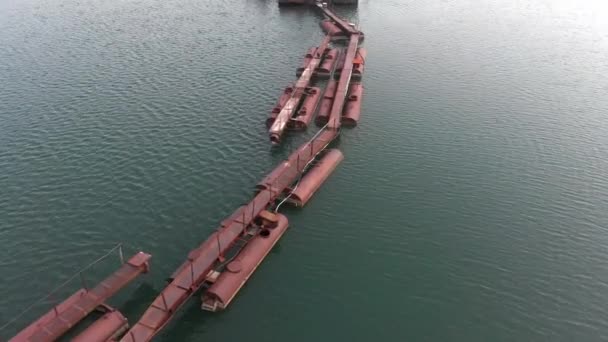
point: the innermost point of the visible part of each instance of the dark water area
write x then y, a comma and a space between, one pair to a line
471, 205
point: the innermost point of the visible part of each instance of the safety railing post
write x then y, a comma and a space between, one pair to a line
162, 295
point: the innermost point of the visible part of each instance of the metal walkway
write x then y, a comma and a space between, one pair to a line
64, 316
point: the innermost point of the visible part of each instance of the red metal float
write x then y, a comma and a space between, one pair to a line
308, 108
107, 328
238, 271
352, 110
332, 30
327, 66
277, 108
307, 58
313, 179
326, 102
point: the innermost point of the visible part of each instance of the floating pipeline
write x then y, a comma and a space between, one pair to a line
198, 269
307, 110
326, 103
238, 271
245, 229
327, 65
315, 177
280, 104
352, 109
332, 30
107, 328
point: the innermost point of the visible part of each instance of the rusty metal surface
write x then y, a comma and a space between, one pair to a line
307, 58
326, 103
352, 109
327, 66
47, 317
342, 24
78, 309
343, 83
359, 64
103, 329
308, 108
282, 119
331, 29
229, 283
313, 179
280, 103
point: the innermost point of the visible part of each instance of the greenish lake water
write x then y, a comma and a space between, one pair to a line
471, 205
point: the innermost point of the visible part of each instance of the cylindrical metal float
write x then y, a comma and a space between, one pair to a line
308, 108
326, 67
270, 179
307, 58
332, 29
313, 179
359, 64
352, 108
277, 108
326, 103
108, 327
223, 291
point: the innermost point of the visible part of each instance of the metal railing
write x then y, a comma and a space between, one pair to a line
78, 274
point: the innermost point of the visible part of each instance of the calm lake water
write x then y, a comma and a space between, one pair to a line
472, 204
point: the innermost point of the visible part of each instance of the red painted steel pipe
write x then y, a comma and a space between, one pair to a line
326, 102
352, 110
331, 29
313, 179
108, 327
327, 66
307, 58
280, 103
308, 108
238, 271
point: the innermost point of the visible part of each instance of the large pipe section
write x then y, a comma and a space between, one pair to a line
326, 103
280, 104
352, 109
308, 108
285, 115
238, 271
315, 177
327, 66
307, 58
107, 328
